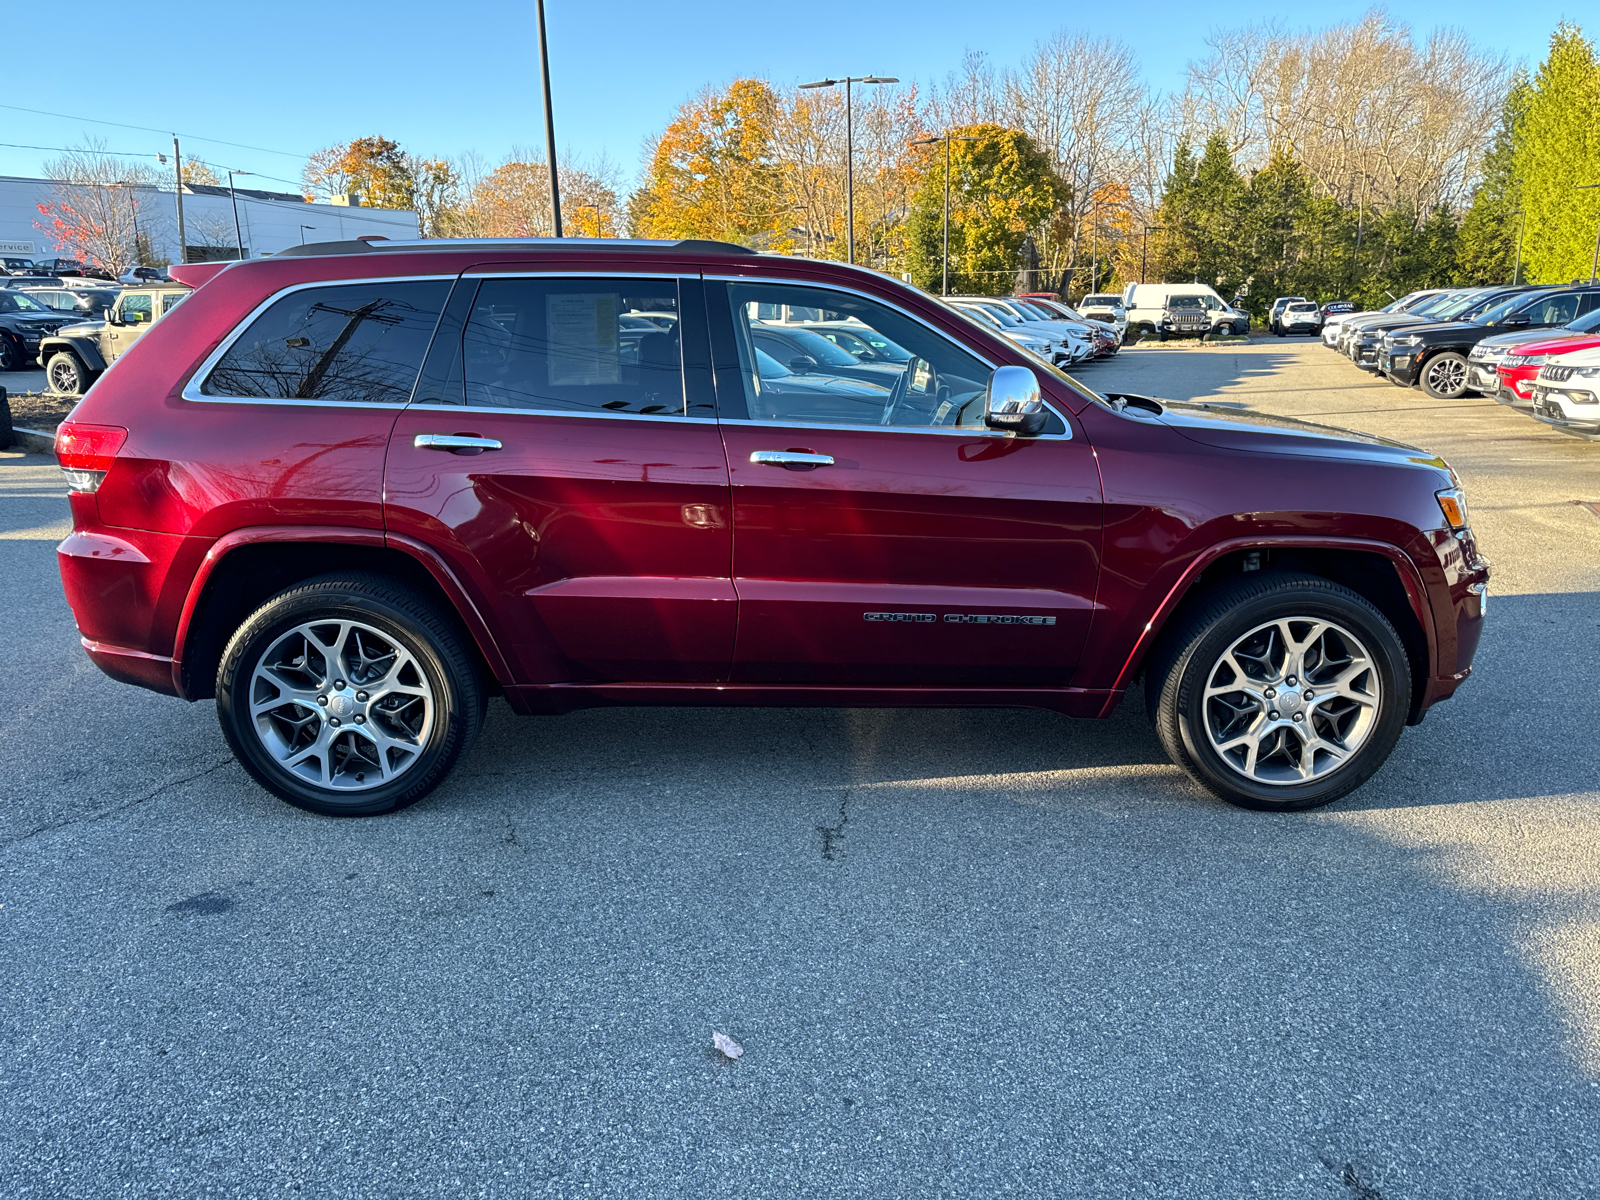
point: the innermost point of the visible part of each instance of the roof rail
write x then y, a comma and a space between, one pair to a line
363, 246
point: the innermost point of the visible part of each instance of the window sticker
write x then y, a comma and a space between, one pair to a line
582, 331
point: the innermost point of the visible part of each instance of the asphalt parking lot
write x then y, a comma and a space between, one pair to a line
969, 953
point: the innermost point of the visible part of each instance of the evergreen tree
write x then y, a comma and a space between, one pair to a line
1488, 245
1557, 149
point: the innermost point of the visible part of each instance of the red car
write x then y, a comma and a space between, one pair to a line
352, 490
1520, 367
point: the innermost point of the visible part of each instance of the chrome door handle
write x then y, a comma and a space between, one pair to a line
789, 458
456, 443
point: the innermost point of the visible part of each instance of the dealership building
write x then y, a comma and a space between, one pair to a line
267, 221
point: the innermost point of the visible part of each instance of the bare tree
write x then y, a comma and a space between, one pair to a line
99, 210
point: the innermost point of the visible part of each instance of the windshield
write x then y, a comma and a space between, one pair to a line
860, 341
1303, 308
1106, 301
1006, 320
1184, 302
1500, 311
1029, 309
17, 302
1585, 324
1434, 305
818, 347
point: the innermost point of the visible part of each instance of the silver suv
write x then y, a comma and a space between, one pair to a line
74, 357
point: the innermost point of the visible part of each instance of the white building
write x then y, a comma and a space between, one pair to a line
268, 221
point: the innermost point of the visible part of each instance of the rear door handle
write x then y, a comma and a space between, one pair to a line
456, 443
789, 458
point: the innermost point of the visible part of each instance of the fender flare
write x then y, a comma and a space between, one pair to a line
466, 608
86, 351
1410, 579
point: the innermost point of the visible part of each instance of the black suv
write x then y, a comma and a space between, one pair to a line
1435, 355
24, 323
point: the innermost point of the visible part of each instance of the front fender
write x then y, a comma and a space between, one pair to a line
88, 352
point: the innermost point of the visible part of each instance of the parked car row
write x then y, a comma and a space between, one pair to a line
1166, 310
13, 270
1535, 348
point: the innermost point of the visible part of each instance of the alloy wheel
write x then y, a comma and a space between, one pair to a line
1291, 701
1447, 375
63, 376
341, 705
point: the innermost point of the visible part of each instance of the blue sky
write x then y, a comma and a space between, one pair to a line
296, 75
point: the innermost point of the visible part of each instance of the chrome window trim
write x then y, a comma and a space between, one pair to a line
554, 412
937, 332
191, 389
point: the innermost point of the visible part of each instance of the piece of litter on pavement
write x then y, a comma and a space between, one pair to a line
724, 1043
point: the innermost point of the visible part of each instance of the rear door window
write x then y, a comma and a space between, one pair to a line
599, 345
358, 343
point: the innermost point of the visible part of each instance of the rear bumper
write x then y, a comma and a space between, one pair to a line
152, 671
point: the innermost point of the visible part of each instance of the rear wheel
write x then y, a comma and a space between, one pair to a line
66, 374
349, 695
1280, 691
10, 354
1444, 376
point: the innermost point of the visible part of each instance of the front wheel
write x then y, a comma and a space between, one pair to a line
10, 354
349, 695
66, 374
1280, 691
1444, 376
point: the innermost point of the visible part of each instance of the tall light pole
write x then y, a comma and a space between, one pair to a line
303, 229
1522, 223
549, 122
177, 174
946, 138
849, 152
1594, 263
238, 236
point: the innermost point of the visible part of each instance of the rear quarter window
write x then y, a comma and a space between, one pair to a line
360, 343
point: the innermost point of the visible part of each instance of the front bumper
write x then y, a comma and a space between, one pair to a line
1482, 377
1365, 356
1552, 409
1401, 367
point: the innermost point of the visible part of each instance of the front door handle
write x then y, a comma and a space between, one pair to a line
456, 443
790, 458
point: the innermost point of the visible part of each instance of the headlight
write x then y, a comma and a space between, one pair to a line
1407, 339
1453, 504
1586, 372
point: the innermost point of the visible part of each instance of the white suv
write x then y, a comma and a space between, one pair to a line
1567, 394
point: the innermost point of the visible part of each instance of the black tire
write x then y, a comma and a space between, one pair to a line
10, 354
66, 375
1192, 652
1444, 376
440, 658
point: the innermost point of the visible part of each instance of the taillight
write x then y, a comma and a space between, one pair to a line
85, 452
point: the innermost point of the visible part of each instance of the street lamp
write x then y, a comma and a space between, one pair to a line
1594, 263
946, 138
849, 152
303, 229
1144, 255
1522, 222
238, 237
549, 121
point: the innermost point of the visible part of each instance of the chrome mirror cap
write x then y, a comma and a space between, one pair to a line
1013, 401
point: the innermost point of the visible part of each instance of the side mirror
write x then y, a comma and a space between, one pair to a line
112, 318
802, 364
1516, 319
1013, 402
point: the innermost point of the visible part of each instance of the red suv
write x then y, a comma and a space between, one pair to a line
353, 489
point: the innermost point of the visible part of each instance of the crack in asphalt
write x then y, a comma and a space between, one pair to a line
833, 835
102, 814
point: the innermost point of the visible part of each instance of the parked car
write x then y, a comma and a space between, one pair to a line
1299, 316
1075, 336
1434, 356
14, 265
24, 324
75, 355
136, 276
1566, 395
1105, 335
77, 302
1107, 307
1183, 315
867, 344
1146, 306
61, 266
804, 352
315, 497
21, 282
1278, 307
1517, 372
